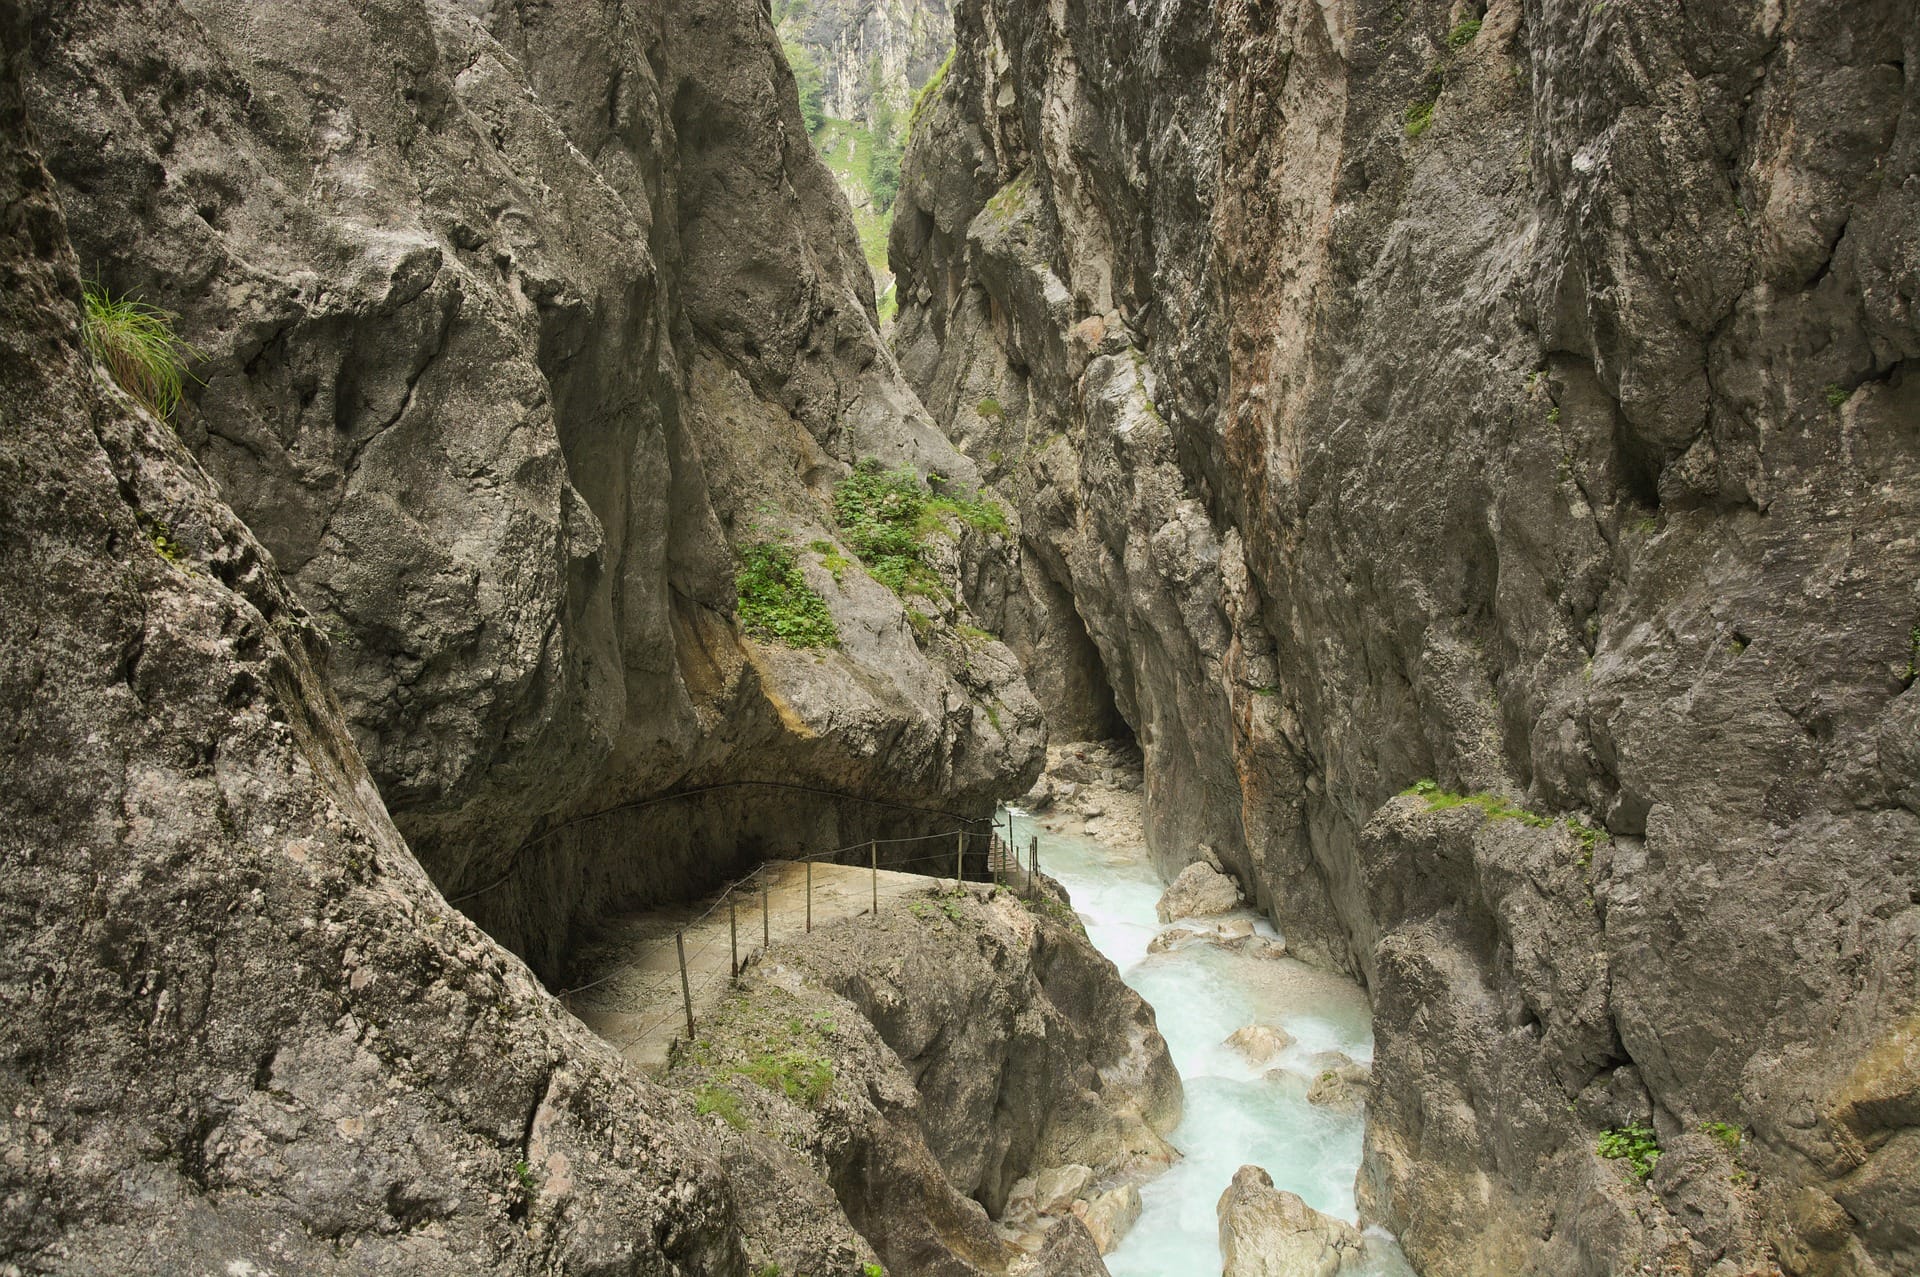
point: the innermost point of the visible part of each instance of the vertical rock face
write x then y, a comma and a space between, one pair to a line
1520, 397
869, 51
516, 323
244, 1032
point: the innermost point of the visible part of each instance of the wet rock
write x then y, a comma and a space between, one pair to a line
1265, 1232
1055, 1189
1109, 1215
1174, 938
1068, 1251
1339, 1084
1200, 891
1260, 1043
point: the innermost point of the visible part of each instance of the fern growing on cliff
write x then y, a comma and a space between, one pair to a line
136, 345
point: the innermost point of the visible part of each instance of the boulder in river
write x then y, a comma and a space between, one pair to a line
1260, 1043
1200, 891
1340, 1083
1266, 1232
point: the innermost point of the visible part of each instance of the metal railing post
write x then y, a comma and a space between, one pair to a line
686, 990
733, 934
873, 859
766, 931
809, 897
959, 859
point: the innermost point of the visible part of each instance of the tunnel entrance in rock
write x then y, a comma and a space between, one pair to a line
567, 884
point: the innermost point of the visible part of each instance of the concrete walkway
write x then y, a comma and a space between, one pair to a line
630, 995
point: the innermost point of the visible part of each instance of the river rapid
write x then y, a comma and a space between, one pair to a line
1237, 1112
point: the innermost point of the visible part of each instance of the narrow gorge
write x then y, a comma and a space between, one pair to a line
695, 637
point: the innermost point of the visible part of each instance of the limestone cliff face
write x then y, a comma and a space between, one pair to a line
517, 322
869, 51
244, 1031
1518, 397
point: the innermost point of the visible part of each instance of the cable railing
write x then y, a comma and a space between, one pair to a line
1002, 864
703, 791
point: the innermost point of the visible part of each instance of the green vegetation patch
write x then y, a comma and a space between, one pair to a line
1726, 1133
1837, 395
136, 345
776, 603
1463, 33
802, 1078
886, 516
713, 1098
928, 92
1636, 1143
1498, 808
1418, 117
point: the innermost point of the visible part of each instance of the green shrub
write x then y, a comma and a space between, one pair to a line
990, 409
137, 346
1419, 115
524, 1173
1837, 395
885, 517
1463, 33
1636, 1143
776, 602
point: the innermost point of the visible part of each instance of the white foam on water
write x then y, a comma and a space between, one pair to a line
1237, 1112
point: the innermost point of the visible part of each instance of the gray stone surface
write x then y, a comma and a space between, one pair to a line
1200, 891
973, 1046
1558, 446
517, 320
245, 1034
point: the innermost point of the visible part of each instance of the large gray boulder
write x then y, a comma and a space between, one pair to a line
1201, 891
1265, 1232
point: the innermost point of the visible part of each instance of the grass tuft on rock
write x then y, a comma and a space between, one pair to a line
775, 601
136, 345
1498, 808
1463, 33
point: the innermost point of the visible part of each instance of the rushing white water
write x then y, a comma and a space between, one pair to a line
1236, 1112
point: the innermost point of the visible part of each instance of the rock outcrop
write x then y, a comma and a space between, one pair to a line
244, 1031
930, 1060
1519, 398
518, 325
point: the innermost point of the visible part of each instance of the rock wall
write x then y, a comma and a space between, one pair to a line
244, 1031
1516, 397
515, 324
869, 50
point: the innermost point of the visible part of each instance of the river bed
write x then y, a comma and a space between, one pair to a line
1236, 1112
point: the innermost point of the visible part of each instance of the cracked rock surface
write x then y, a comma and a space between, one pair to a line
1518, 397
